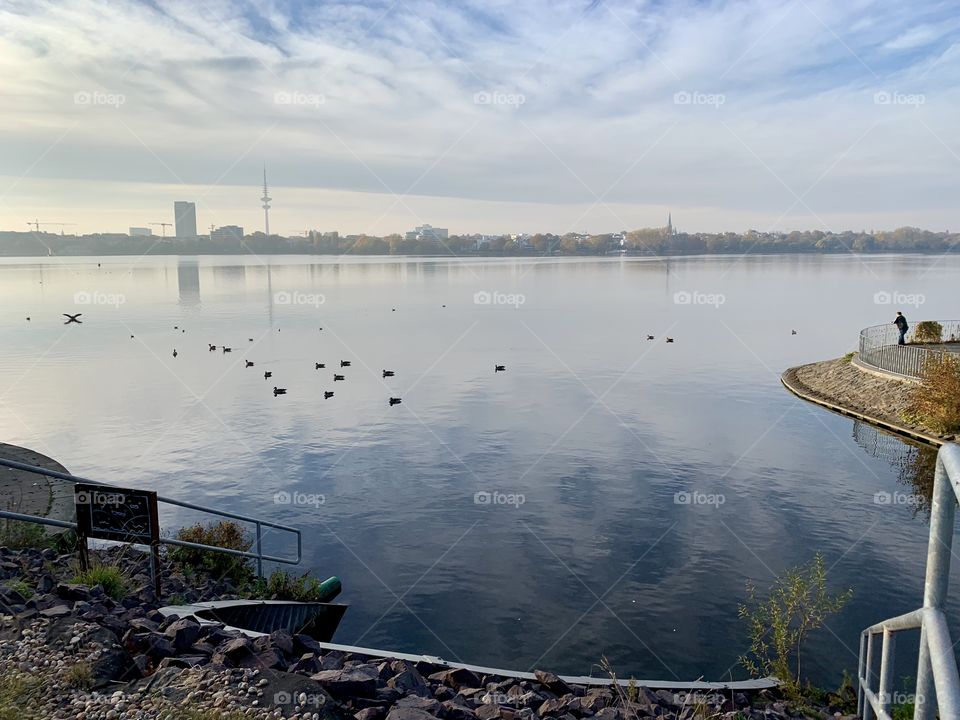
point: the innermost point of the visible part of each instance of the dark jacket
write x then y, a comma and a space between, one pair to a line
901, 323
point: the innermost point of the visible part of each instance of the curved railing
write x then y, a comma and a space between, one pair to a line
879, 348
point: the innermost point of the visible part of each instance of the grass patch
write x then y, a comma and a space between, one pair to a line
80, 676
19, 586
935, 401
225, 534
848, 357
17, 535
18, 692
110, 577
282, 586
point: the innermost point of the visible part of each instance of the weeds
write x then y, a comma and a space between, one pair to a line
282, 586
225, 534
80, 676
110, 577
935, 401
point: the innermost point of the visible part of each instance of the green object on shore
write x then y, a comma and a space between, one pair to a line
329, 589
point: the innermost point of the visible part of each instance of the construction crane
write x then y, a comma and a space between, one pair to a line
163, 227
36, 225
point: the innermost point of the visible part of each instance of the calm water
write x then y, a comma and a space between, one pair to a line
595, 427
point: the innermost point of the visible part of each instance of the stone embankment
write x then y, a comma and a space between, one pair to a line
69, 651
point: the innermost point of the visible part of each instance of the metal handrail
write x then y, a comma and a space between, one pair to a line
878, 348
259, 556
937, 675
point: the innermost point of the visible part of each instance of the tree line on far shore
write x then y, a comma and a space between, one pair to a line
646, 241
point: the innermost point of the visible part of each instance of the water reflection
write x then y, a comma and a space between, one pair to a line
188, 282
914, 463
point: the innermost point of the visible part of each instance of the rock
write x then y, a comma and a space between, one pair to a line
183, 633
283, 641
552, 682
410, 681
237, 648
270, 658
406, 713
609, 713
55, 611
159, 647
457, 678
69, 591
553, 706
332, 660
360, 681
371, 713
455, 711
113, 665
308, 664
429, 705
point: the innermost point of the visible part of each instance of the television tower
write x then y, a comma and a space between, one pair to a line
266, 203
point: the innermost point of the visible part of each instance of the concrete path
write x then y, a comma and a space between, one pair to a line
33, 494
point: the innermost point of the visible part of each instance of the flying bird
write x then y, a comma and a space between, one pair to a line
247, 363
72, 318
267, 374
212, 347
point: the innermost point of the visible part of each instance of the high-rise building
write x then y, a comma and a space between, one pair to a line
140, 232
185, 219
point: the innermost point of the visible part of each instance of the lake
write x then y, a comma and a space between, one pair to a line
605, 495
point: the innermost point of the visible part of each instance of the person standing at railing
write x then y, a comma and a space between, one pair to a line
901, 322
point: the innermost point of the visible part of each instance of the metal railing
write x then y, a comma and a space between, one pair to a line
938, 682
879, 348
259, 524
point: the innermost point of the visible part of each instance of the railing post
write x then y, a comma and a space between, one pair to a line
868, 670
886, 670
259, 553
863, 652
943, 508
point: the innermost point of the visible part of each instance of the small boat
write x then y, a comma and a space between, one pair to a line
254, 618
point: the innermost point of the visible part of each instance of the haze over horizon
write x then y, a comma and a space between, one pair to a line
374, 117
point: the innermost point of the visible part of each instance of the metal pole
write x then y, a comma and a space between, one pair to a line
868, 670
863, 652
943, 510
886, 671
259, 553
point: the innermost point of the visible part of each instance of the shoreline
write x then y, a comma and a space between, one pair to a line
844, 387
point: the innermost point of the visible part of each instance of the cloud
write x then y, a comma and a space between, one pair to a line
578, 105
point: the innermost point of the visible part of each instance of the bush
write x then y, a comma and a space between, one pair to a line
17, 535
225, 534
935, 401
110, 577
80, 676
797, 604
928, 331
282, 586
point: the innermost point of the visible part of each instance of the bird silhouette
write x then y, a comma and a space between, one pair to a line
247, 363
226, 349
176, 327
318, 366
338, 377
212, 347
395, 401
344, 363
393, 310
28, 319
669, 340
388, 373
267, 374
279, 391
249, 339
131, 337
793, 332
327, 394
649, 337
499, 368
174, 352
72, 318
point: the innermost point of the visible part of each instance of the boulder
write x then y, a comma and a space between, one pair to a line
113, 665
408, 713
409, 681
552, 682
183, 633
359, 681
457, 678
69, 591
429, 705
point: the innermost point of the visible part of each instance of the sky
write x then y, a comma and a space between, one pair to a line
481, 116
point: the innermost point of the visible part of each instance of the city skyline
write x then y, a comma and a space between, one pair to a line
483, 117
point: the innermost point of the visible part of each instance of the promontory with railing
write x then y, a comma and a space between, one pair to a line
879, 348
